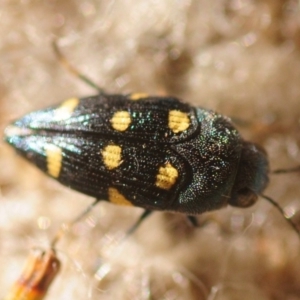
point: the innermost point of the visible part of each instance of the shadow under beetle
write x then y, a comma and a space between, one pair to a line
153, 152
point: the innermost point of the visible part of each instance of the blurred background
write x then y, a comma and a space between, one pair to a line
239, 57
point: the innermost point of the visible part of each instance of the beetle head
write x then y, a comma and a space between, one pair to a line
252, 176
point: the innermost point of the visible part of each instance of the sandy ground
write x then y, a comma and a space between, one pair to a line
241, 58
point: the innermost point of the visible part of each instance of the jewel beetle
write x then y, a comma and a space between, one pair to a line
157, 153
153, 152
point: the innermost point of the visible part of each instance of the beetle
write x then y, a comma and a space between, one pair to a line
157, 153
154, 152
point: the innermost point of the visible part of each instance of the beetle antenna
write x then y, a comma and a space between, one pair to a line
67, 65
280, 209
290, 170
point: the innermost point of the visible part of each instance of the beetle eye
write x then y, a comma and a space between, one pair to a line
244, 198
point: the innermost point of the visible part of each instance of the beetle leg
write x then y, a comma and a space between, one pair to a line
143, 216
192, 220
63, 229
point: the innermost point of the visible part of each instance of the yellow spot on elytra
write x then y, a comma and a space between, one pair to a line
166, 177
112, 156
65, 110
117, 198
120, 120
138, 96
178, 121
54, 160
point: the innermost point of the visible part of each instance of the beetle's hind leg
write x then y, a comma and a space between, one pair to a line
61, 232
135, 226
